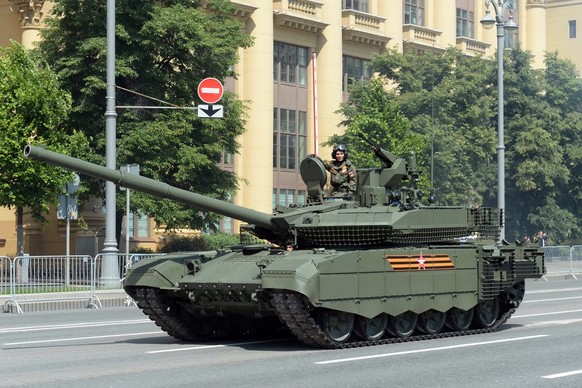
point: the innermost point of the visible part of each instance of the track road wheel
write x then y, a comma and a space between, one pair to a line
458, 319
486, 313
402, 325
431, 321
337, 325
371, 329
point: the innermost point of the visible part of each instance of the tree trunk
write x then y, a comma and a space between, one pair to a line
19, 231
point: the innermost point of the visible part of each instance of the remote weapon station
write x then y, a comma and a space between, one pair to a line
378, 268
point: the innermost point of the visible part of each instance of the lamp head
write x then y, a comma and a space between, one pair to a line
510, 25
488, 21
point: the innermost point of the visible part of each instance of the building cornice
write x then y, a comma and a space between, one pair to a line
303, 15
364, 28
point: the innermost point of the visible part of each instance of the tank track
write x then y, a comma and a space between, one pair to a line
152, 302
171, 318
293, 310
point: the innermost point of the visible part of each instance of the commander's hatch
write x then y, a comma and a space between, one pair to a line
314, 175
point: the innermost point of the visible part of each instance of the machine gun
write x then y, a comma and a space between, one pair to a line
385, 156
395, 171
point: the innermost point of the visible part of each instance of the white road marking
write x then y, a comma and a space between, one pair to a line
554, 323
426, 350
201, 347
542, 314
551, 300
564, 374
81, 338
553, 290
72, 325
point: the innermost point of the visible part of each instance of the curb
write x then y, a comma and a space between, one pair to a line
119, 300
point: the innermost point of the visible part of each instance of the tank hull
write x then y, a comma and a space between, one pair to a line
248, 289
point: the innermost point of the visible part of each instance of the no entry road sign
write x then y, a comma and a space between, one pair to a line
210, 90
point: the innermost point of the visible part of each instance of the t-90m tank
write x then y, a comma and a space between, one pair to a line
377, 268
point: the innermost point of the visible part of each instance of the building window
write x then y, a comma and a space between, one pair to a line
571, 29
139, 227
465, 23
290, 64
227, 158
414, 12
357, 5
289, 138
354, 69
286, 197
226, 225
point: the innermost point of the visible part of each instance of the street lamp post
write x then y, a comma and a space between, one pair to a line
501, 8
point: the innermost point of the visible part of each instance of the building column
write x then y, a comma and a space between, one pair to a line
535, 39
255, 164
444, 19
30, 12
329, 52
392, 11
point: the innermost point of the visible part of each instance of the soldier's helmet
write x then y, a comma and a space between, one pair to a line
339, 147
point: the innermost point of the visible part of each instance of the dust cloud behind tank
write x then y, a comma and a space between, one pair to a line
378, 268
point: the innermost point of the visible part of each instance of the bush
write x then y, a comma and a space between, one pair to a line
184, 244
215, 242
141, 250
211, 242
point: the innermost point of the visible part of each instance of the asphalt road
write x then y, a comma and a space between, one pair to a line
540, 346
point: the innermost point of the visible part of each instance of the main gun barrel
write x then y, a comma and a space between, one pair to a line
153, 187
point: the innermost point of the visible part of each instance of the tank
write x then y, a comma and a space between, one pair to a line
375, 268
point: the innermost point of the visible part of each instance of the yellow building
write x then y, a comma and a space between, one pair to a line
561, 24
296, 75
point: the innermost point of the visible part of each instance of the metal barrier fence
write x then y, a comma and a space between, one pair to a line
27, 279
563, 260
50, 278
5, 276
110, 274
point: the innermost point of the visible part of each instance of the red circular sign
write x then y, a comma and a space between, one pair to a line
210, 90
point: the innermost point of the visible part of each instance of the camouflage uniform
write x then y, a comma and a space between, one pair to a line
343, 177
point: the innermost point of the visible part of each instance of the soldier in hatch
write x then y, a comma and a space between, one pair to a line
343, 173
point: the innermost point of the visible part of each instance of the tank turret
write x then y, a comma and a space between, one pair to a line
386, 209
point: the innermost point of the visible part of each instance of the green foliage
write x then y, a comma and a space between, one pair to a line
211, 242
141, 250
444, 106
219, 241
163, 50
372, 111
33, 110
540, 107
184, 244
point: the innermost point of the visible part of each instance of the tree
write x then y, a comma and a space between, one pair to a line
164, 49
33, 109
445, 99
371, 110
451, 101
537, 120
